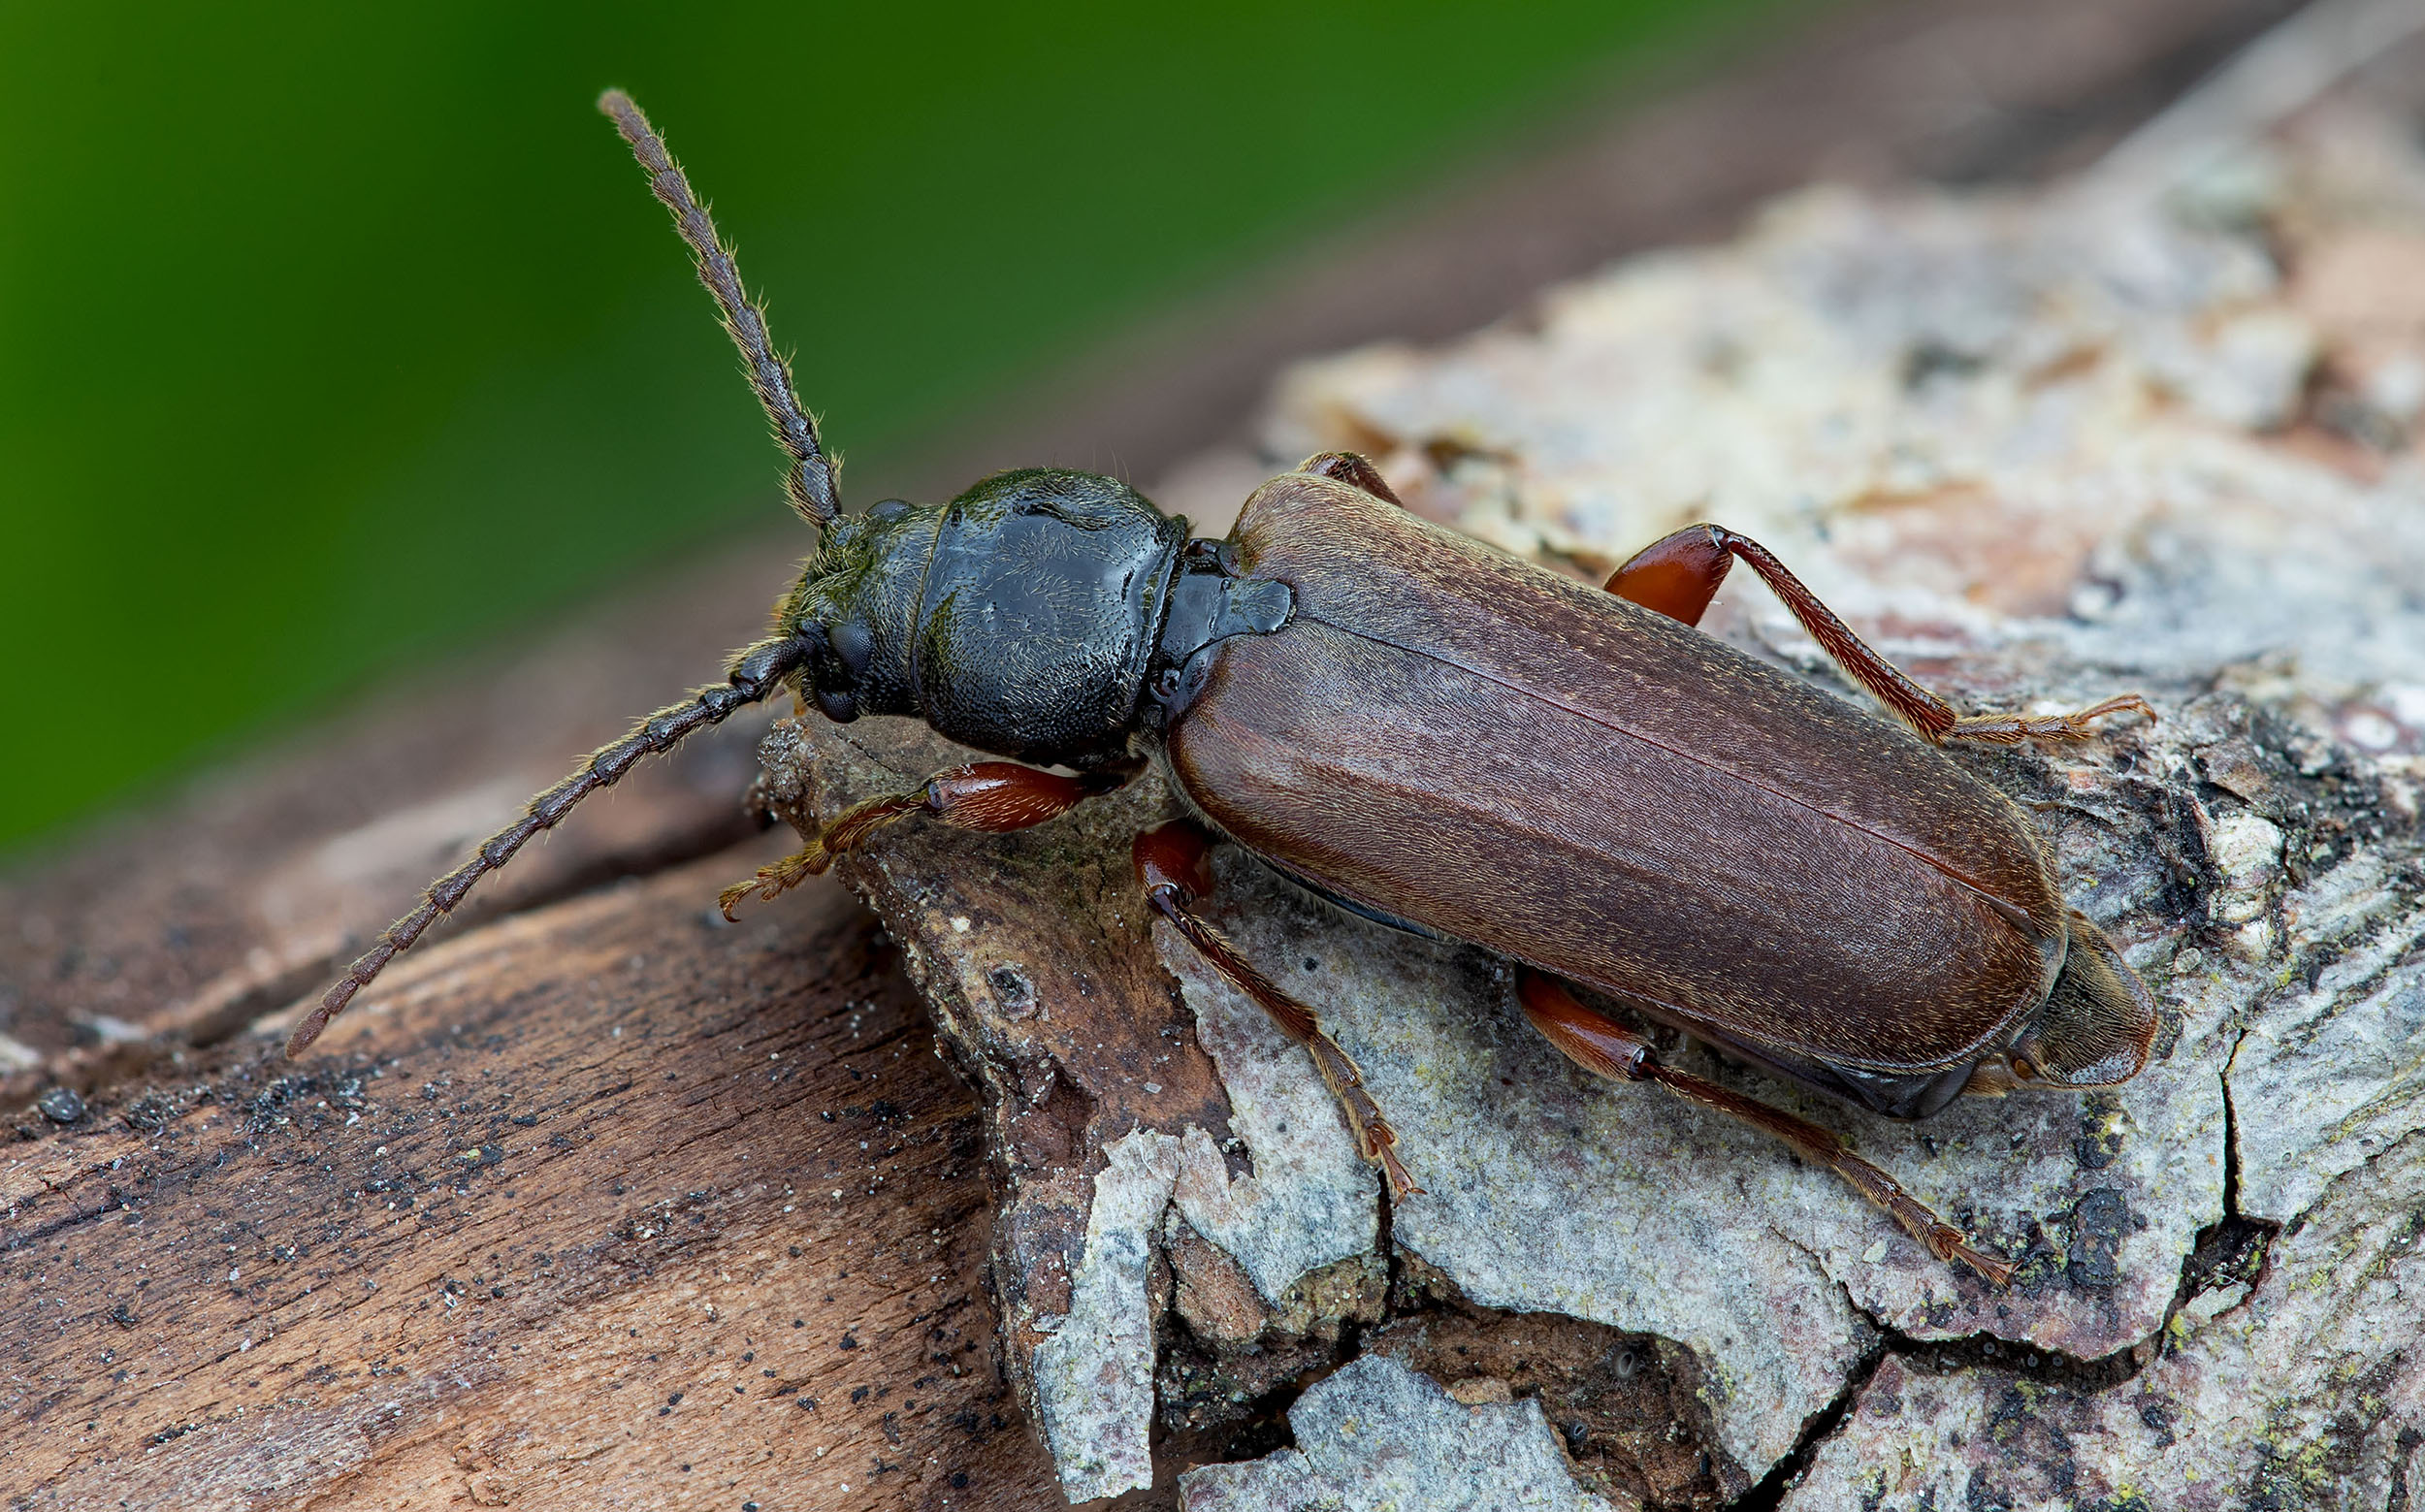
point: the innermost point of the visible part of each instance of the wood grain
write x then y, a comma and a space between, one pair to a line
608, 1204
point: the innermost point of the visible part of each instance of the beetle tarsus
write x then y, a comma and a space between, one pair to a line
1375, 1141
2011, 730
777, 879
1917, 1219
1951, 1247
849, 831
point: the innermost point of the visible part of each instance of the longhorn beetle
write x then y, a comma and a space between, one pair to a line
1443, 738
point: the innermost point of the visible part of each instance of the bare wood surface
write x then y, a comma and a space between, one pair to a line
611, 1204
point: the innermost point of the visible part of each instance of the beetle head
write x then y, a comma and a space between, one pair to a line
855, 608
1016, 619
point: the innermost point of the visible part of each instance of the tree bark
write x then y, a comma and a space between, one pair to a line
368, 1279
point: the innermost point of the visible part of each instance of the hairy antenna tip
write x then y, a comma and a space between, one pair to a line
309, 1029
810, 484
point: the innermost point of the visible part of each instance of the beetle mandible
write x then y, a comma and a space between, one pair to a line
1442, 739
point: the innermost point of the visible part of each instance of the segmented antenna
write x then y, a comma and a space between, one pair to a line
756, 673
810, 483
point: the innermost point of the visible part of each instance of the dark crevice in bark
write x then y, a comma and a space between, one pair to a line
1976, 1352
2029, 1361
1247, 1429
2236, 1249
1201, 1432
1631, 1408
2230, 1252
1769, 1493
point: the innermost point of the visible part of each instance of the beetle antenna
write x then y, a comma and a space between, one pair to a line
810, 482
756, 674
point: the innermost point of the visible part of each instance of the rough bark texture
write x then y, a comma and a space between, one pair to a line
2127, 433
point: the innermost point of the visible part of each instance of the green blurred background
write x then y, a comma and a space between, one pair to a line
332, 339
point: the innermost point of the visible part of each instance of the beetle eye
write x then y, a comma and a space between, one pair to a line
851, 645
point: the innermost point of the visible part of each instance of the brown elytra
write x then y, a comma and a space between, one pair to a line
1443, 738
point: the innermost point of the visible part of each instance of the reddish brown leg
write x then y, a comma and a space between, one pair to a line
1350, 469
1676, 575
1679, 575
1170, 866
996, 797
1606, 1047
